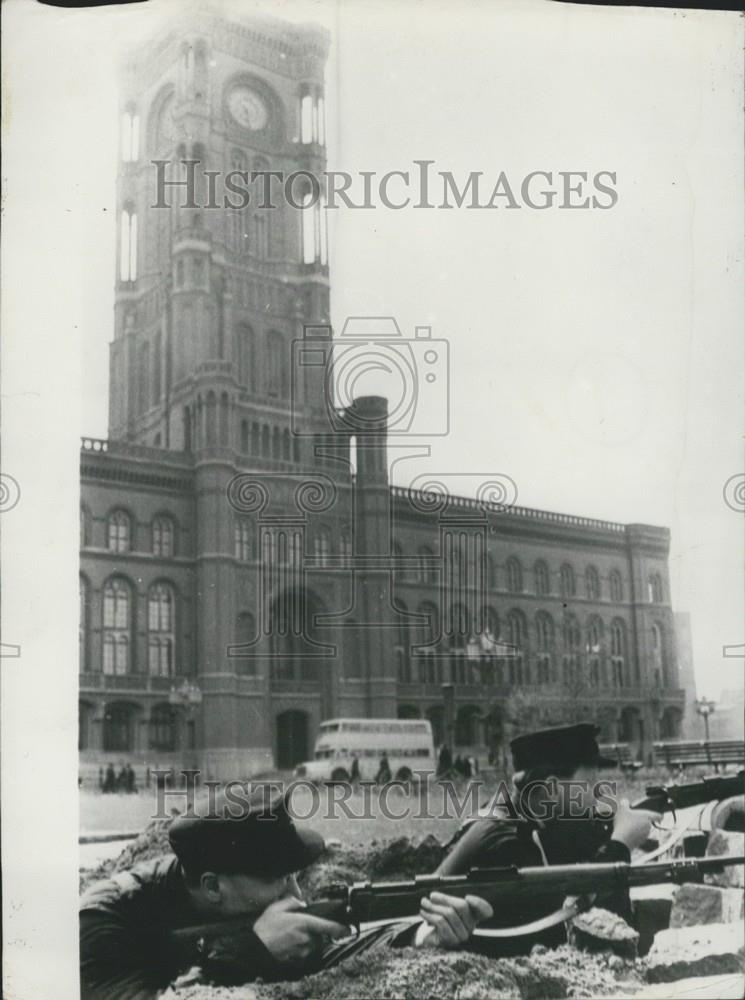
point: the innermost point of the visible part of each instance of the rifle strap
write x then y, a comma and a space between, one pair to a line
568, 911
676, 836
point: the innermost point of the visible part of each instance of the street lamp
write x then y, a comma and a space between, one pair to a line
705, 709
188, 695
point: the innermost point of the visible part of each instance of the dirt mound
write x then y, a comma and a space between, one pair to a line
430, 975
151, 843
395, 859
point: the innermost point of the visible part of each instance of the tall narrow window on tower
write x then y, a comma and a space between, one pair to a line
306, 118
128, 249
130, 136
312, 117
308, 236
321, 121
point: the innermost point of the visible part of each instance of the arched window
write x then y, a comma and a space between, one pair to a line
616, 586
84, 624
161, 629
117, 627
255, 439
245, 438
242, 539
321, 121
322, 546
163, 536
515, 636
345, 547
276, 365
403, 645
245, 637
514, 576
594, 649
659, 658
306, 118
85, 526
118, 728
618, 652
308, 235
540, 577
244, 355
592, 583
427, 564
428, 631
397, 562
491, 572
163, 728
128, 249
568, 582
130, 136
544, 641
654, 587
119, 531
572, 641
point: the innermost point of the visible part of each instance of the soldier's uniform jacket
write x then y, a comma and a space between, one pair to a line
126, 952
504, 841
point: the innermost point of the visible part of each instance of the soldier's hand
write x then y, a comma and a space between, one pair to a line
452, 919
631, 826
292, 935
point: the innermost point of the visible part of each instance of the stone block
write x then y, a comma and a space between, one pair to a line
711, 950
723, 842
651, 905
728, 987
600, 930
706, 904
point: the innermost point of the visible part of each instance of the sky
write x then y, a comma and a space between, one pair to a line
595, 356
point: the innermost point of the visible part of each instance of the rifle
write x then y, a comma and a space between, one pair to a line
366, 902
670, 798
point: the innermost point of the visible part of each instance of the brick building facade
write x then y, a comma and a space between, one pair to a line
247, 569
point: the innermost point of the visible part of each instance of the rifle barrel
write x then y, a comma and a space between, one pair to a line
368, 901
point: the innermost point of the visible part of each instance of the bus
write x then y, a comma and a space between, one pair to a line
407, 743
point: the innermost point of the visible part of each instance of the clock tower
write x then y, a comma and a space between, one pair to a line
209, 296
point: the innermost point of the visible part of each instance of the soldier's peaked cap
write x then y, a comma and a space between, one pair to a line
260, 839
564, 747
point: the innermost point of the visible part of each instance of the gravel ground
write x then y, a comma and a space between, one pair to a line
430, 975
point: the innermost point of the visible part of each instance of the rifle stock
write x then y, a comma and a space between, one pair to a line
364, 902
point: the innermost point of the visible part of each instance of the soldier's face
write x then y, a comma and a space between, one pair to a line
251, 894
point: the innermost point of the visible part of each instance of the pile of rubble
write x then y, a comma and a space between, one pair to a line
688, 932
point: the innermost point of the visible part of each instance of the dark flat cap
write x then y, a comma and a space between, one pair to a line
263, 841
565, 747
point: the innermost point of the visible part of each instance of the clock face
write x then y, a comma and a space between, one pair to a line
248, 109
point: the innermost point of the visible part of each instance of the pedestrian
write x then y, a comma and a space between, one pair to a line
444, 761
121, 779
109, 784
131, 780
384, 771
354, 775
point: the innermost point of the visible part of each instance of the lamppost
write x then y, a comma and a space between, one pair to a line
705, 708
188, 695
448, 697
